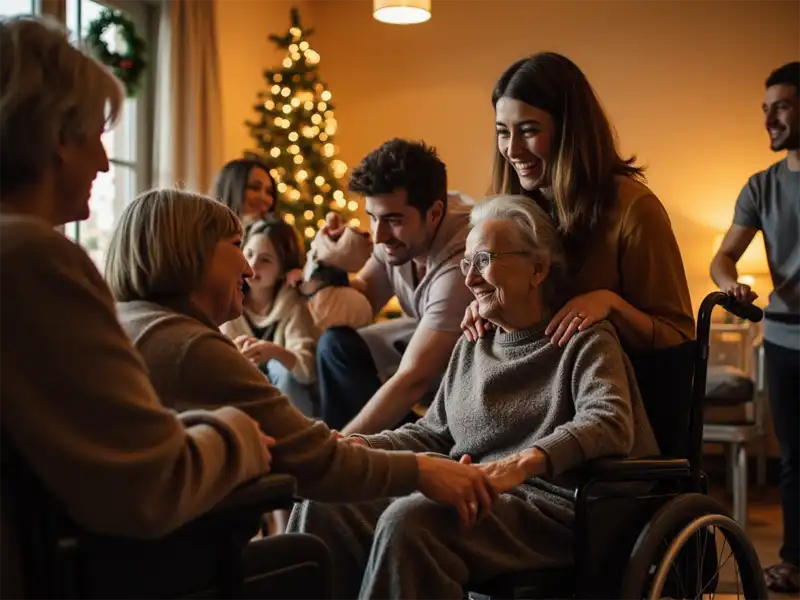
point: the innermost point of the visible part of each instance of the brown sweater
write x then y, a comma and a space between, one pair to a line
635, 255
78, 406
192, 365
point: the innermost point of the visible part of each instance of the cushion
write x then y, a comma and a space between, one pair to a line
728, 386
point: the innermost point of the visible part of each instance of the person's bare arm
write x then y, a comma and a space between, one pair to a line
723, 267
424, 360
373, 282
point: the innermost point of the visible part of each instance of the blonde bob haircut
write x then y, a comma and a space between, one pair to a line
536, 234
164, 244
50, 92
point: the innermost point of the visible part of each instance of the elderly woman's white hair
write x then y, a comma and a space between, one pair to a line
50, 91
538, 237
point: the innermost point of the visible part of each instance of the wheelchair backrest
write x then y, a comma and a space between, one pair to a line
665, 378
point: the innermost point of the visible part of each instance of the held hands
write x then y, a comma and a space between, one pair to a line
579, 314
257, 351
504, 474
464, 487
347, 439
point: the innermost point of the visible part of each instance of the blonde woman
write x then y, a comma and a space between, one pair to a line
77, 405
176, 268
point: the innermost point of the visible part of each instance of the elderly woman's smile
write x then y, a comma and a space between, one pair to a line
503, 275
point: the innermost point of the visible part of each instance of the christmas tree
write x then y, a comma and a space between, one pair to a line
295, 132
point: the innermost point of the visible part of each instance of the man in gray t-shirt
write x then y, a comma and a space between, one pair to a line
770, 202
372, 378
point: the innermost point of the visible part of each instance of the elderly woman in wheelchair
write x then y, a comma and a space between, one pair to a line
522, 409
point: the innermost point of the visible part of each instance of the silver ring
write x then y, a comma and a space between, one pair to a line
473, 506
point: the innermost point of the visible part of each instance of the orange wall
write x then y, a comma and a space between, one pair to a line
681, 80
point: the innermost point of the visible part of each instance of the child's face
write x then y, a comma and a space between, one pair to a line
261, 255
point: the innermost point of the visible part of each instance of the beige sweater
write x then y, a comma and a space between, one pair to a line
79, 408
295, 331
192, 365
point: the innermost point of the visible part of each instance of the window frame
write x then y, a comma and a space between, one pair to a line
145, 15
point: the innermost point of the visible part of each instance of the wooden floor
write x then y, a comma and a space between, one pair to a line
763, 528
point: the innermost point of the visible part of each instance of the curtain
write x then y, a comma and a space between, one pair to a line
188, 112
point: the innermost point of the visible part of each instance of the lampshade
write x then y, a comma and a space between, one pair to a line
402, 12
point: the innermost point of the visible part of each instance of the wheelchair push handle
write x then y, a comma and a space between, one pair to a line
743, 310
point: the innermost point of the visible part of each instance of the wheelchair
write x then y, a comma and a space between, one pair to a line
647, 528
210, 557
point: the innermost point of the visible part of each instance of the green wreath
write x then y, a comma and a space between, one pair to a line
129, 66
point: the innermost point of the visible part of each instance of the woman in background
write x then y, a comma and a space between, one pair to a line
276, 331
556, 146
246, 187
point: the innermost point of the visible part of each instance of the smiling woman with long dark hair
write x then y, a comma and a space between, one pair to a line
556, 146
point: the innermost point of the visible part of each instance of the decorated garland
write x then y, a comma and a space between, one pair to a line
128, 66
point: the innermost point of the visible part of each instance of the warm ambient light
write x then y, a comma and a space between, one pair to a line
402, 12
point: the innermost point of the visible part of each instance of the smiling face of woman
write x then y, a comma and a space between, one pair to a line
525, 139
259, 195
501, 274
221, 295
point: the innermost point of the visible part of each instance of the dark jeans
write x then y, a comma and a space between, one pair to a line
783, 386
347, 376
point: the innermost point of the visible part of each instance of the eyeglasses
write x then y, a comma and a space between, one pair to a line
481, 260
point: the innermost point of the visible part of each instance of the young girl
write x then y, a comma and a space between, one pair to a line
276, 331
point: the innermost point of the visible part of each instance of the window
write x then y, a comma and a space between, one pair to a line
12, 8
126, 144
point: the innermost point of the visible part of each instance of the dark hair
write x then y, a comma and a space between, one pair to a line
284, 238
402, 164
231, 183
788, 74
585, 155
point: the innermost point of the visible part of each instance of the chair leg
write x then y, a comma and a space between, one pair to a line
739, 476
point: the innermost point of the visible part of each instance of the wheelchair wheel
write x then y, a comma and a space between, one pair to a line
676, 556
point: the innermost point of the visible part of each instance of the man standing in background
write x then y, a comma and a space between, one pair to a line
770, 202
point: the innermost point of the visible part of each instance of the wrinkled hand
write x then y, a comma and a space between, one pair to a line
259, 351
579, 314
504, 474
473, 325
464, 487
355, 441
740, 291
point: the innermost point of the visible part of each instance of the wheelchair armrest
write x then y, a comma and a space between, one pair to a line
265, 494
639, 469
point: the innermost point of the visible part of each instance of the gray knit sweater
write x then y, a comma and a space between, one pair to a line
510, 392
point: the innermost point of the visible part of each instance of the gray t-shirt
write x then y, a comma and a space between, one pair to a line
771, 202
439, 299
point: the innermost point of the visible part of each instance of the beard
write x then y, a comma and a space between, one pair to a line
789, 141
